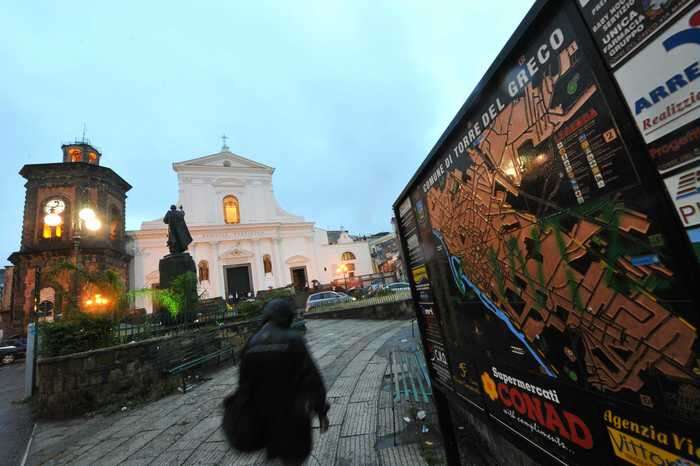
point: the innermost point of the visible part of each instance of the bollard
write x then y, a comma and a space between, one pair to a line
30, 361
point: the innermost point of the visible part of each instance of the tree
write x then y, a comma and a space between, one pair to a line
100, 292
179, 300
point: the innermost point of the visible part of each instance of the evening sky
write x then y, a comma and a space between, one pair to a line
344, 99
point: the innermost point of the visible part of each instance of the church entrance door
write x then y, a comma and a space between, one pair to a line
299, 279
238, 280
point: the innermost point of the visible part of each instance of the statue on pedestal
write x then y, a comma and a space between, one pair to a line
178, 234
179, 264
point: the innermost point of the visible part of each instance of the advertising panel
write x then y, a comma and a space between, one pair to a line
621, 26
545, 414
664, 99
638, 436
429, 315
684, 189
676, 149
694, 236
559, 294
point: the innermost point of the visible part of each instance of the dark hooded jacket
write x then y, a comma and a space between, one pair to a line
280, 389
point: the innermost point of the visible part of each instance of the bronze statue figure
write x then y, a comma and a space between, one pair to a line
178, 234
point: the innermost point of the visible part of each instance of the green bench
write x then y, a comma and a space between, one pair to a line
410, 378
194, 354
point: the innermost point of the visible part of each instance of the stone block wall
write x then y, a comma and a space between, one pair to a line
396, 310
75, 384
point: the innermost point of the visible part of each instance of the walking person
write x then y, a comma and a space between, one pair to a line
280, 389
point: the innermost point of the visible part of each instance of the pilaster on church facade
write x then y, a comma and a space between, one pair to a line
243, 241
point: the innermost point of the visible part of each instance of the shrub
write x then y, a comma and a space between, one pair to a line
384, 292
250, 309
268, 295
76, 334
178, 303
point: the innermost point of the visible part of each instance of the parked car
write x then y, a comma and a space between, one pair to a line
326, 298
398, 286
12, 349
376, 285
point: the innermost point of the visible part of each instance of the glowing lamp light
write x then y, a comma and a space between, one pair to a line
97, 300
93, 224
52, 219
86, 214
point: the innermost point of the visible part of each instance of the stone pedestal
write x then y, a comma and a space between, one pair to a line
171, 267
174, 265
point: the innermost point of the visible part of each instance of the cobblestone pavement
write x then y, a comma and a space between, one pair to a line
15, 417
184, 429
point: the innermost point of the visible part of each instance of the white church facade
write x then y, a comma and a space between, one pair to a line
243, 241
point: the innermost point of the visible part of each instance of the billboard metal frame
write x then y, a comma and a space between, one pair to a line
679, 244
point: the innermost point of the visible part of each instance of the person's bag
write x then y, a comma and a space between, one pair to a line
243, 428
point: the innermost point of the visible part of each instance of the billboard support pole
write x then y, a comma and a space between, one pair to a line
447, 428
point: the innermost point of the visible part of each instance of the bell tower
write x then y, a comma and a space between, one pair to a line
80, 152
74, 212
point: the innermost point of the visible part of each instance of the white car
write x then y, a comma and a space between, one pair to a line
326, 298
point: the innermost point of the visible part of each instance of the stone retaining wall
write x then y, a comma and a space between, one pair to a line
388, 311
75, 384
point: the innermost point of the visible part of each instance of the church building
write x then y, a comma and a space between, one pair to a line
243, 241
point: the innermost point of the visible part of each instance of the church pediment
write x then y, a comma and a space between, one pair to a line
236, 253
222, 160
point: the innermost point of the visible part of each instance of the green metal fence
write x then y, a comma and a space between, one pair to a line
372, 301
125, 333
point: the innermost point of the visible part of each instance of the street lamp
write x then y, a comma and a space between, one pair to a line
342, 268
96, 302
88, 216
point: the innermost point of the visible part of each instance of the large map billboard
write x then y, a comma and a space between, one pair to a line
548, 257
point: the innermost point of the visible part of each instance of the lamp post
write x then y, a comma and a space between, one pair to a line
87, 218
342, 268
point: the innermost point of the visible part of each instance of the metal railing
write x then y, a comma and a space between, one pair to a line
364, 302
124, 332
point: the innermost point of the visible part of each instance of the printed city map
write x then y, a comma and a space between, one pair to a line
544, 221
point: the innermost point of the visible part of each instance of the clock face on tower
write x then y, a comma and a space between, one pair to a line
55, 206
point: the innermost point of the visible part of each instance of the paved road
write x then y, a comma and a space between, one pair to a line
15, 418
184, 429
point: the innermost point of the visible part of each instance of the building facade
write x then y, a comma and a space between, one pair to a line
243, 241
73, 213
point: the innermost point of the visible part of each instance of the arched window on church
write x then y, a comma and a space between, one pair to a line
203, 271
348, 259
232, 212
115, 224
47, 295
267, 263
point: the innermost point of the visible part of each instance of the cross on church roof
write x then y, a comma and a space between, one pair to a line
224, 146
